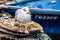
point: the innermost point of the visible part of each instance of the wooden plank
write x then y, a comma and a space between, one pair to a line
2, 1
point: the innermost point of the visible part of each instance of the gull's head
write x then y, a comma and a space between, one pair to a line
26, 10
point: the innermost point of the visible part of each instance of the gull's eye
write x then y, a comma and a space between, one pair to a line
24, 9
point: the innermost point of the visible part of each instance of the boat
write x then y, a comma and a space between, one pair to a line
46, 13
